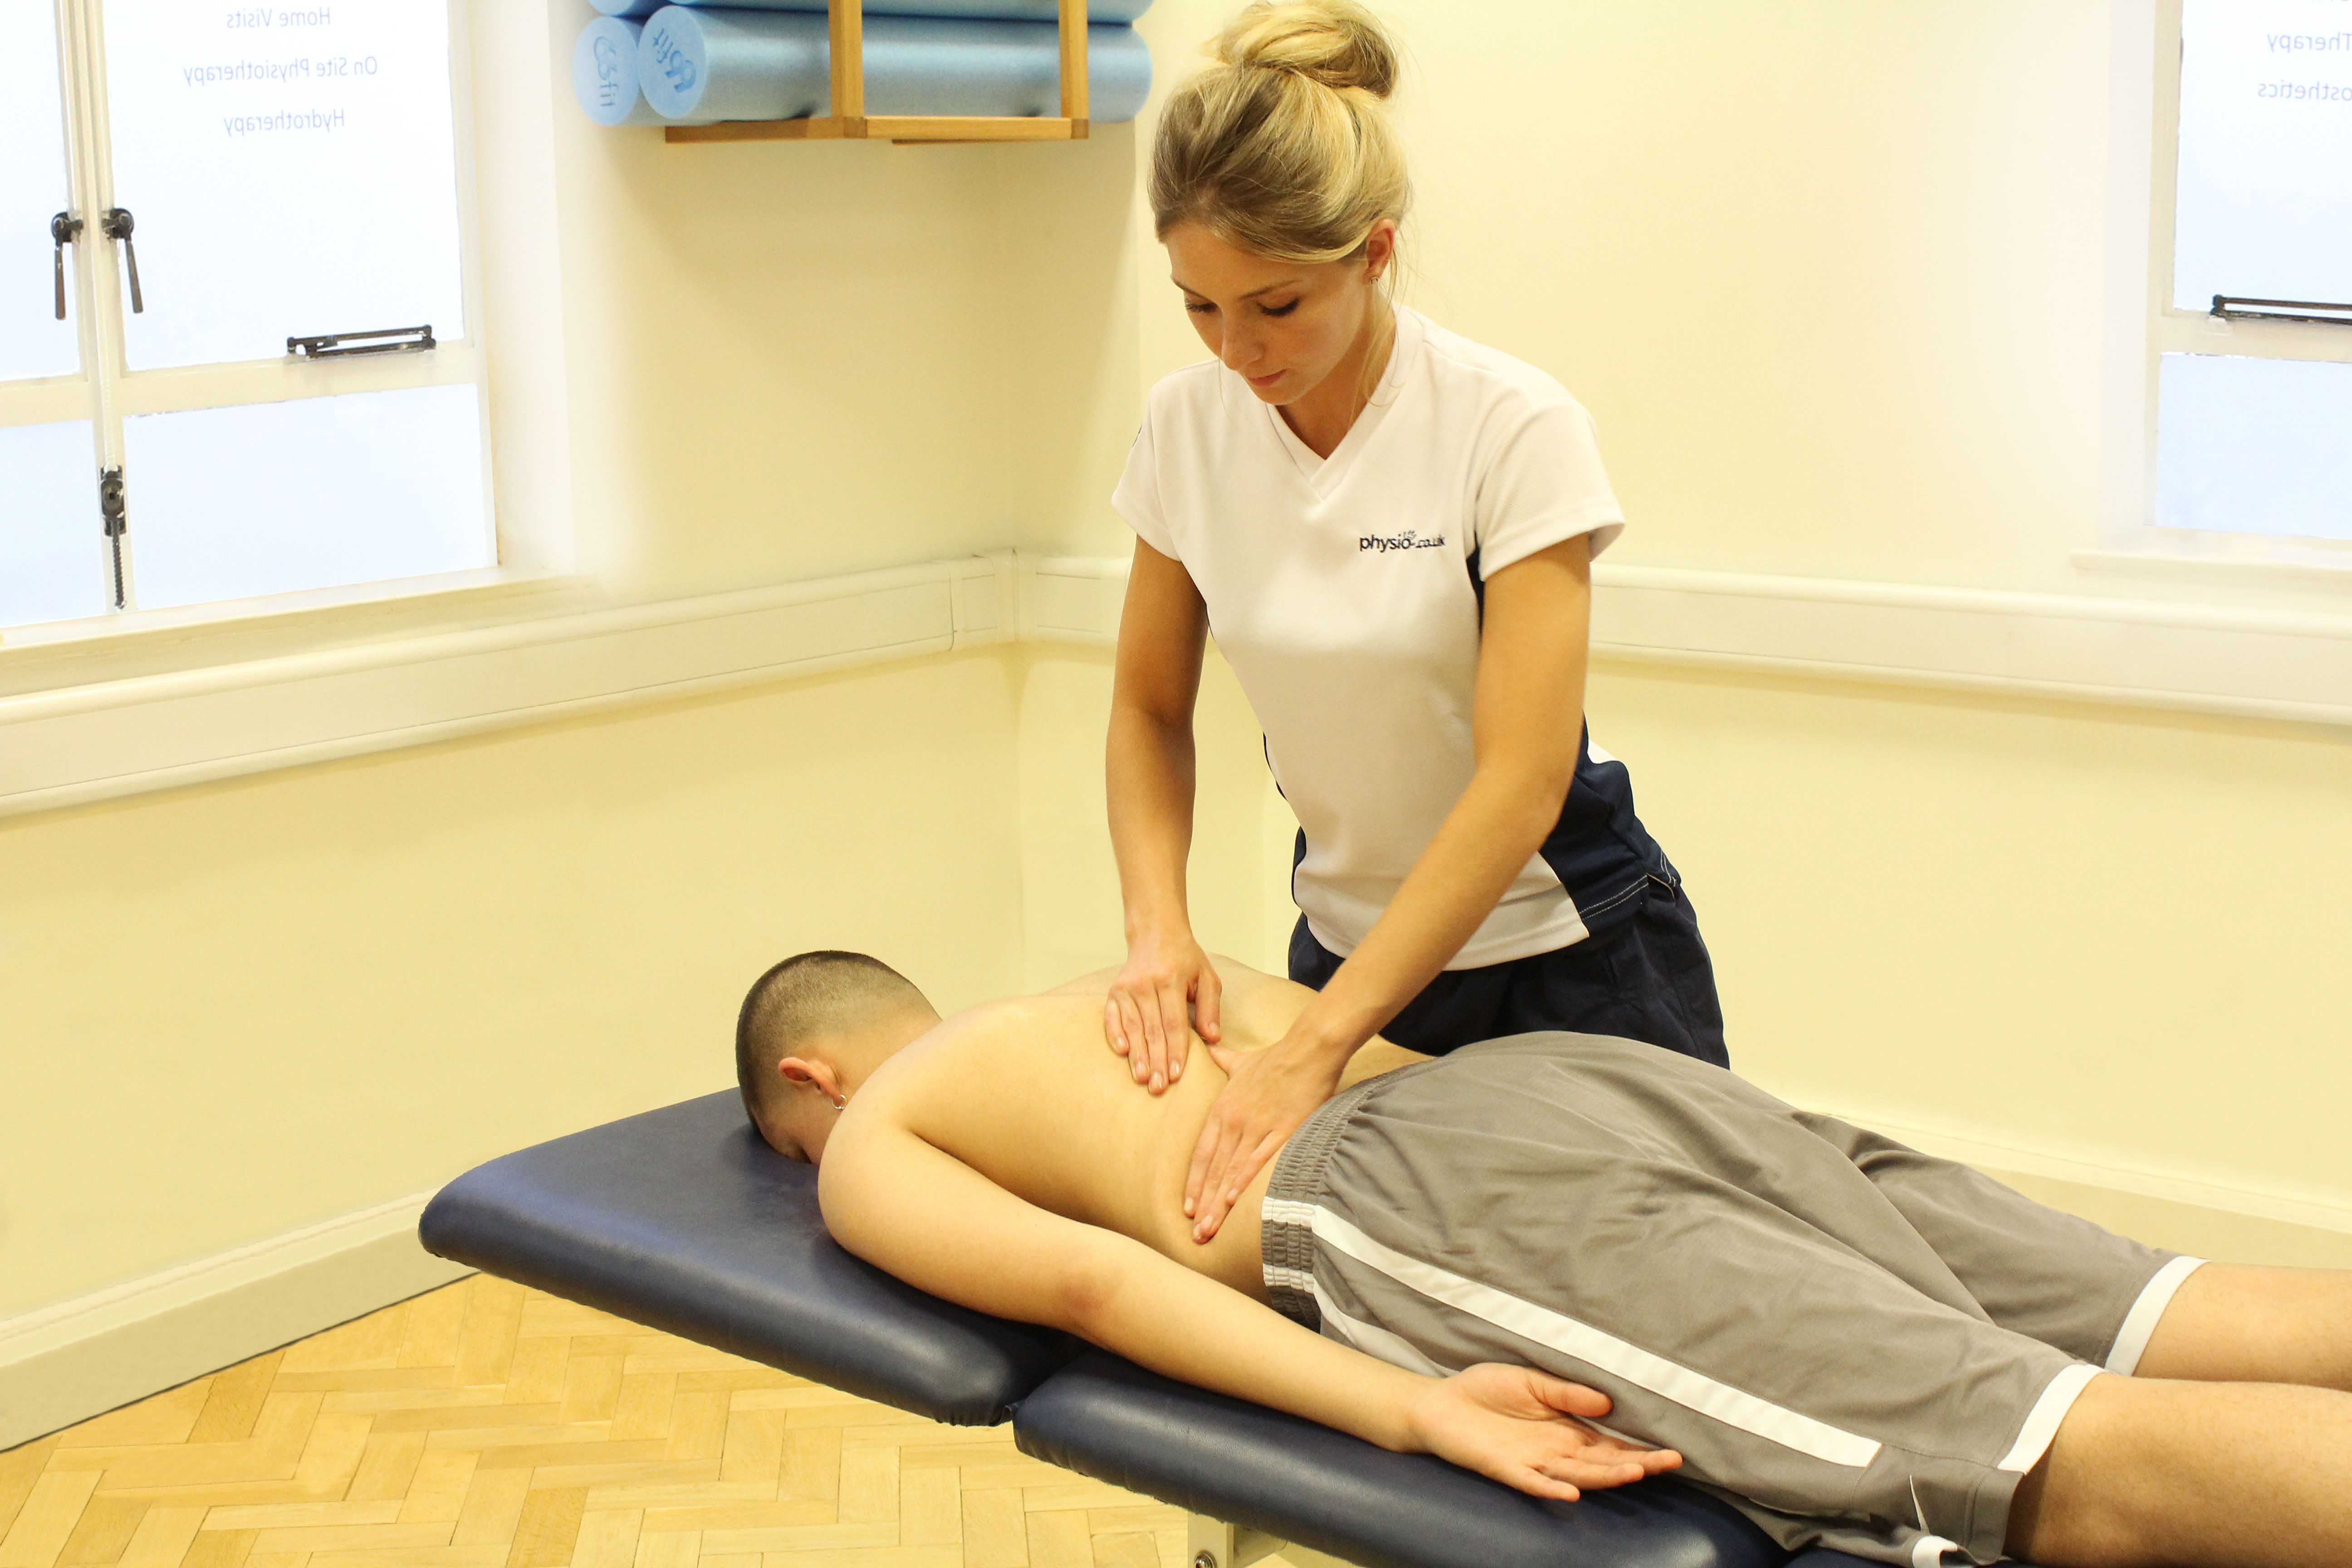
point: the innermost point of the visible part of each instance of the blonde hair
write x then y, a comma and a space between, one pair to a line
1283, 148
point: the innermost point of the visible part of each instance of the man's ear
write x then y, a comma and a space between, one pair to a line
802, 1072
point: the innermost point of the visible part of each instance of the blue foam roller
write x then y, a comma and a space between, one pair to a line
992, 10
698, 65
605, 73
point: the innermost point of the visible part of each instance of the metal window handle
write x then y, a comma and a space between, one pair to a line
116, 223
114, 510
64, 230
2239, 307
383, 341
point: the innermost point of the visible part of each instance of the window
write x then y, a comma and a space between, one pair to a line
184, 189
2250, 347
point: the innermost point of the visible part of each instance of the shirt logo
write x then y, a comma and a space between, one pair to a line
1408, 539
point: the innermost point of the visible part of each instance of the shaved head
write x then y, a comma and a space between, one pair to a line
809, 996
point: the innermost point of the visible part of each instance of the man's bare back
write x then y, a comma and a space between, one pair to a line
1025, 1093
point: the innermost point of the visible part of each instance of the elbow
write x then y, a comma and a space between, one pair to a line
1086, 1295
1532, 795
1155, 721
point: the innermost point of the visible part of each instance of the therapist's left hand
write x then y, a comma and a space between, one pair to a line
1266, 1095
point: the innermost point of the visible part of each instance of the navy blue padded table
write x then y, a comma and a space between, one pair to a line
1251, 1466
682, 1219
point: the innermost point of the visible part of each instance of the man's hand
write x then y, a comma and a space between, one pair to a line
1266, 1095
1526, 1429
1167, 989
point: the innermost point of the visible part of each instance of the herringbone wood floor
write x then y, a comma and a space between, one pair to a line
486, 1425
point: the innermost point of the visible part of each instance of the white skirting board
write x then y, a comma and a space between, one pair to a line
66, 1362
2236, 1222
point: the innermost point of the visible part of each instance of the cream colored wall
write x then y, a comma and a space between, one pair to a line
791, 360
1829, 276
2103, 937
243, 1007
232, 1011
1070, 904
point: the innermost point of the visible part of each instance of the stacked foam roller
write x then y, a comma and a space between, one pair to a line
644, 62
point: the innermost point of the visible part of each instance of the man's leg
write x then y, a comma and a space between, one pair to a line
2235, 1324
2148, 1473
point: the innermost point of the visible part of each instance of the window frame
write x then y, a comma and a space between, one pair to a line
2144, 325
511, 350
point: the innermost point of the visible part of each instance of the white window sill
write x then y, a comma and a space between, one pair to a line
2186, 557
536, 654
102, 648
2285, 665
531, 652
2199, 658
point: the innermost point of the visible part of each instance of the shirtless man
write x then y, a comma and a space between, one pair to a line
1854, 1344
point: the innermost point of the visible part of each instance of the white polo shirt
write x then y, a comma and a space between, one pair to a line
1345, 594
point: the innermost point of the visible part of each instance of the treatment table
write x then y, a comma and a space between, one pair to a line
682, 1219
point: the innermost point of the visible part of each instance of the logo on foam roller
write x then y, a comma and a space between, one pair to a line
1408, 539
608, 73
671, 60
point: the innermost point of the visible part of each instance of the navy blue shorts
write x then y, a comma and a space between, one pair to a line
1646, 977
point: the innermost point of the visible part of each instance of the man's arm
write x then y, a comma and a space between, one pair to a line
922, 1215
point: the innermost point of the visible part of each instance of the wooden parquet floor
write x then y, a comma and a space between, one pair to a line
486, 1425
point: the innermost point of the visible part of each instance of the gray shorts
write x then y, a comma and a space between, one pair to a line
1857, 1345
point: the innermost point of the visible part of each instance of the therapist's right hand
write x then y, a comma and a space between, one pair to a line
1167, 989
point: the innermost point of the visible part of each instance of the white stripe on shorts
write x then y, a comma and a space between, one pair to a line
2139, 1323
1693, 1390
1376, 1341
2041, 1421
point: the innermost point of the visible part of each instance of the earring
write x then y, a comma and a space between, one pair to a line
840, 1100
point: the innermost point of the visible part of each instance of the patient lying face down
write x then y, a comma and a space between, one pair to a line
1570, 1261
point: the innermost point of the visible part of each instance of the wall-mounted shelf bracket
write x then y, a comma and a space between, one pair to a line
850, 122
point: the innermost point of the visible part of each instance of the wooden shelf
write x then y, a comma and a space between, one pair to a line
899, 128
849, 121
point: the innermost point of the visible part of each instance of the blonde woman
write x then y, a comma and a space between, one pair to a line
1390, 528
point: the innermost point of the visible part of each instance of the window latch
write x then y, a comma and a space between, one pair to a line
116, 223
387, 340
2231, 308
115, 509
64, 230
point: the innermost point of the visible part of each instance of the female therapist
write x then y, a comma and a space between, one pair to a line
1390, 530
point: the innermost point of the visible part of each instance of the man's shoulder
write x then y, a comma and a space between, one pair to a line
972, 1055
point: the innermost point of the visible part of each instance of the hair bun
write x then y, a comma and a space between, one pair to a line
1335, 42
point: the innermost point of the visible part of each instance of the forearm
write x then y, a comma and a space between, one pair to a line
1531, 663
1150, 772
1186, 1326
1484, 844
